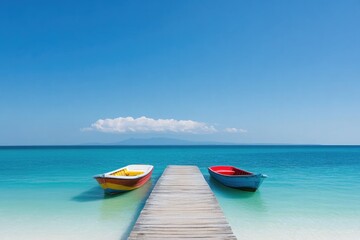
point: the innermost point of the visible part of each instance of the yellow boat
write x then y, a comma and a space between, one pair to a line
125, 179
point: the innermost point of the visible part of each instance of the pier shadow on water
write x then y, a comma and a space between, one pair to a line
119, 205
141, 196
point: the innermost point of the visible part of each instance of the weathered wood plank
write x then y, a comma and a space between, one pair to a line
180, 206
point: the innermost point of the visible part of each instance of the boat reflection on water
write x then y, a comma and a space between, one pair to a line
245, 200
125, 204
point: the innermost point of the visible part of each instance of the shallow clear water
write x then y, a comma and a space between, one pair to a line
313, 192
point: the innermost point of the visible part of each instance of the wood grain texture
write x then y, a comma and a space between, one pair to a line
180, 206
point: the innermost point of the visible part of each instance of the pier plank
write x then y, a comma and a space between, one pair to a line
180, 206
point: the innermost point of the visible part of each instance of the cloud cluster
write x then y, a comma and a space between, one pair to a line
235, 130
147, 125
144, 125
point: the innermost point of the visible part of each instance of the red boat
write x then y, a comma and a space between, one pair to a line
237, 178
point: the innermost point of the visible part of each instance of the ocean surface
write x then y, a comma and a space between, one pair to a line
313, 192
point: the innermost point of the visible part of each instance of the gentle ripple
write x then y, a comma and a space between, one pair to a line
313, 192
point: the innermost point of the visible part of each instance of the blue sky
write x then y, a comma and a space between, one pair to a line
277, 71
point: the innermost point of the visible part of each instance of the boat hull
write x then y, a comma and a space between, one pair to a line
248, 183
112, 185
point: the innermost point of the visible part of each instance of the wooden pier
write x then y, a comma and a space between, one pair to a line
180, 206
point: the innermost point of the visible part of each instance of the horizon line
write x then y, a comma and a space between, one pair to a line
177, 145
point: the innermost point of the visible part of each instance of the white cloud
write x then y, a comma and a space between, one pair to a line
235, 130
144, 125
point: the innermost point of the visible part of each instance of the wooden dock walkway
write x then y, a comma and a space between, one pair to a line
180, 206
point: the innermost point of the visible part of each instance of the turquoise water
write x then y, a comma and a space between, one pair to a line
313, 192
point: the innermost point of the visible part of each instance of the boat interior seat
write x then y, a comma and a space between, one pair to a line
227, 172
134, 173
126, 172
